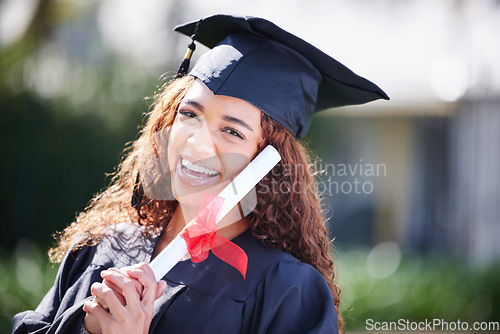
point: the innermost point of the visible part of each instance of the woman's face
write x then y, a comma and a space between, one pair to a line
212, 139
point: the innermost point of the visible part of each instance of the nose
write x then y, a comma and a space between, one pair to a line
201, 142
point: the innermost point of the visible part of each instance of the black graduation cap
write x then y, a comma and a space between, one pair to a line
277, 72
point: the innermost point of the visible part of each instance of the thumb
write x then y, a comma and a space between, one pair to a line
162, 285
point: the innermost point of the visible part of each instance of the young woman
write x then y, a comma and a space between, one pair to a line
258, 86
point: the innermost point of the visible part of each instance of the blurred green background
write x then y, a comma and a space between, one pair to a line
411, 186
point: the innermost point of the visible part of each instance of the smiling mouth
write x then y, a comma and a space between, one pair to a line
197, 172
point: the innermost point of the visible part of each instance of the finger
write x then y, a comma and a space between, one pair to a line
144, 274
123, 271
93, 308
101, 291
126, 285
118, 292
102, 303
90, 321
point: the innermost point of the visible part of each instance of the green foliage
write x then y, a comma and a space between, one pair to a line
55, 154
68, 107
421, 288
25, 277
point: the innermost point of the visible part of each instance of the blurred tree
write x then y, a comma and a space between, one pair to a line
68, 106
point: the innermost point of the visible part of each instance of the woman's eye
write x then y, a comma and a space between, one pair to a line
188, 113
233, 132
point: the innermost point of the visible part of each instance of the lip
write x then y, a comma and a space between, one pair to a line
194, 179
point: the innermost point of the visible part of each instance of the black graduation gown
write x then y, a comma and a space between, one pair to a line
279, 295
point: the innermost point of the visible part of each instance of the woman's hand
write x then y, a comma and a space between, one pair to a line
124, 301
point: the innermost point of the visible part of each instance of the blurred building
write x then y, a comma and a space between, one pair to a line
438, 139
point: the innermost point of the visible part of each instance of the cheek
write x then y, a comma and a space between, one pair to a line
178, 135
234, 156
178, 128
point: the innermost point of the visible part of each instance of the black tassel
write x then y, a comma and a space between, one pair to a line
183, 69
138, 194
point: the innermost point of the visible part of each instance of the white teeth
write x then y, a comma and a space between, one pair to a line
196, 168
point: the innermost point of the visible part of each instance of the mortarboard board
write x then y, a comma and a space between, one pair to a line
285, 77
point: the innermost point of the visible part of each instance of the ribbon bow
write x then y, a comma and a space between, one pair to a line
201, 236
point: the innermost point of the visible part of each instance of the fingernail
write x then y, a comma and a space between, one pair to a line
104, 273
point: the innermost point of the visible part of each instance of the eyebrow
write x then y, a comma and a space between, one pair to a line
194, 104
238, 121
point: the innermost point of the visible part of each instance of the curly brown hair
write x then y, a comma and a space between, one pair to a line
289, 217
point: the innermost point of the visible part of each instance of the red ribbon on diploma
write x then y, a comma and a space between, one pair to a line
201, 236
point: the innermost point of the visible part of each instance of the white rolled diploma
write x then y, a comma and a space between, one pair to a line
233, 193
